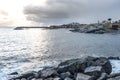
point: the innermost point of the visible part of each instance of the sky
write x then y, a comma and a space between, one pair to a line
48, 12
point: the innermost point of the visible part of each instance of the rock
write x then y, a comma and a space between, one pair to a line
75, 30
37, 75
79, 65
14, 73
96, 31
103, 76
64, 75
37, 79
74, 65
48, 73
67, 78
23, 79
31, 77
116, 78
49, 79
92, 30
115, 58
93, 70
27, 75
57, 78
105, 63
81, 76
100, 32
113, 75
93, 67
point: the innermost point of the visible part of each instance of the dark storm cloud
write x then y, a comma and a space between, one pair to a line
56, 9
60, 11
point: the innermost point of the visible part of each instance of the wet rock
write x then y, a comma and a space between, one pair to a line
113, 75
116, 78
103, 76
100, 32
48, 73
23, 79
31, 77
37, 79
64, 75
79, 65
93, 70
67, 78
75, 30
57, 78
115, 58
96, 30
26, 76
37, 75
74, 65
49, 79
105, 63
81, 76
14, 73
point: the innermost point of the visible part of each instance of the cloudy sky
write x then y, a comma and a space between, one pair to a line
46, 12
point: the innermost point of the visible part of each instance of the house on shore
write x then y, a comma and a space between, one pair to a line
113, 26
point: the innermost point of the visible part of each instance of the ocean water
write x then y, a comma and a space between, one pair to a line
33, 49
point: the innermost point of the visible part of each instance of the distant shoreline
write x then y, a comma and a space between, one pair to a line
20, 28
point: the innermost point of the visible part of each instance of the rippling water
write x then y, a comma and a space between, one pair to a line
25, 50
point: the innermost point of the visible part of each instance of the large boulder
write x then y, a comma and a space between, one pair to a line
93, 70
64, 75
74, 65
79, 65
105, 63
116, 78
96, 30
114, 58
103, 76
67, 78
48, 73
81, 76
28, 75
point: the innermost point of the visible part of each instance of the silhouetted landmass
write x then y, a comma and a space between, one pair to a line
22, 27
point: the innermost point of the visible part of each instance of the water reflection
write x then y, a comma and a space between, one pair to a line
27, 49
37, 41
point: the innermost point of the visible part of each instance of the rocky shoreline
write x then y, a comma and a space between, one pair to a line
76, 27
87, 68
94, 30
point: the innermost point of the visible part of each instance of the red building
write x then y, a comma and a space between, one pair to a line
113, 26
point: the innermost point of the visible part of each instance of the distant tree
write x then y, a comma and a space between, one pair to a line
109, 19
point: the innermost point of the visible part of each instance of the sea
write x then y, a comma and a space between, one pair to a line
32, 49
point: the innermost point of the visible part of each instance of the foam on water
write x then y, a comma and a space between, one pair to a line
26, 50
115, 66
